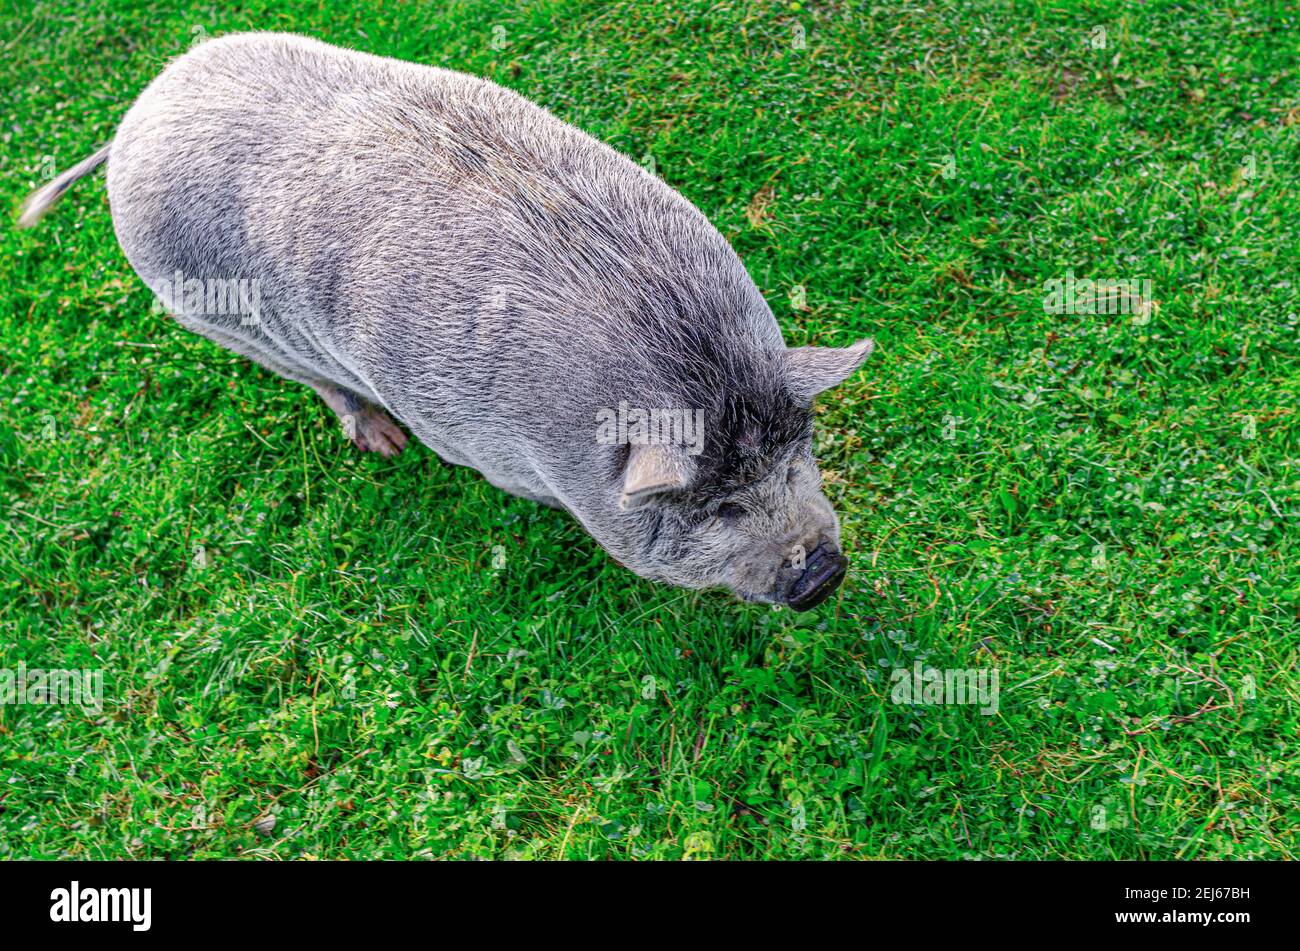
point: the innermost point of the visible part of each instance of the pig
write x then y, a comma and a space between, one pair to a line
424, 247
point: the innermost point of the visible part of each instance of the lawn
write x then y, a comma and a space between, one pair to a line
307, 652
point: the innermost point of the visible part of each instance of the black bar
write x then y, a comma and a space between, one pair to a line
1050, 899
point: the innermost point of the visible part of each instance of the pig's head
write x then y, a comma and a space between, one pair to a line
743, 508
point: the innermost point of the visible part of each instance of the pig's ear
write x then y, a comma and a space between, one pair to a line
813, 370
652, 471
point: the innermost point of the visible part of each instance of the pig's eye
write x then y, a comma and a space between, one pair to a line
730, 511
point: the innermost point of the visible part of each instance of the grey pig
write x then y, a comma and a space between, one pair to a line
420, 245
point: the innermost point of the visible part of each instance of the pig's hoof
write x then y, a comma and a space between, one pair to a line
373, 430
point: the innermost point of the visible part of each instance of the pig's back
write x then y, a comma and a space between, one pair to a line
431, 234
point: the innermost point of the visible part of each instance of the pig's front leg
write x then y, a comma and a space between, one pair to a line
368, 426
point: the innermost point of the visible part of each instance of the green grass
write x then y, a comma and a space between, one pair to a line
1103, 510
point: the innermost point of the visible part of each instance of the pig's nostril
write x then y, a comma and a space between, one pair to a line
823, 573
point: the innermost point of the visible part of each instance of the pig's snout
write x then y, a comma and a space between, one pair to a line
823, 571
